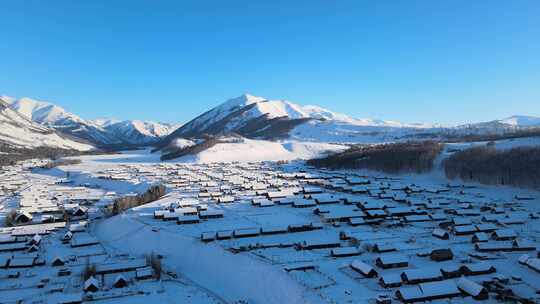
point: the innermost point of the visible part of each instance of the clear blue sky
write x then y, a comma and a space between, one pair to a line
414, 61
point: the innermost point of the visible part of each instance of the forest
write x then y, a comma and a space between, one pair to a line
515, 167
411, 156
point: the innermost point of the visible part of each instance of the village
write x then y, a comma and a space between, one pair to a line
261, 232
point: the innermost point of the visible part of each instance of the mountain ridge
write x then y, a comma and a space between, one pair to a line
251, 117
101, 134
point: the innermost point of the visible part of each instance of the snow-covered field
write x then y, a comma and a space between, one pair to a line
249, 150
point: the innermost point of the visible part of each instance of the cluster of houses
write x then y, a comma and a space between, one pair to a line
187, 211
46, 250
418, 242
52, 203
397, 240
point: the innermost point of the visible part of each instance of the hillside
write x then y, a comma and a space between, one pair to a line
18, 131
238, 149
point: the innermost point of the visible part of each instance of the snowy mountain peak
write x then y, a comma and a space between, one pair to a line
274, 108
238, 102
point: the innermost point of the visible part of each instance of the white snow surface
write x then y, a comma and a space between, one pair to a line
229, 275
249, 150
344, 132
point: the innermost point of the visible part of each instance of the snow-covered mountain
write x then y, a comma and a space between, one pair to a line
101, 132
251, 117
258, 117
521, 121
261, 118
53, 116
136, 131
18, 131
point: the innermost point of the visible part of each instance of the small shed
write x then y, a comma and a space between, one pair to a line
390, 280
421, 275
144, 273
345, 252
440, 255
452, 270
504, 235
91, 285
208, 236
480, 237
392, 261
58, 261
475, 290
441, 234
187, 219
363, 268
119, 282
477, 269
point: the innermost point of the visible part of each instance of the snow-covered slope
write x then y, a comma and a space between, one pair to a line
17, 130
249, 150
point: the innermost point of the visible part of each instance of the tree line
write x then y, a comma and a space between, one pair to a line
519, 166
411, 156
124, 203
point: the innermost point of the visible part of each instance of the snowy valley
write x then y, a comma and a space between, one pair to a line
225, 209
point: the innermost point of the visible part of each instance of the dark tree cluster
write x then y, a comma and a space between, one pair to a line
515, 167
10, 155
391, 158
127, 202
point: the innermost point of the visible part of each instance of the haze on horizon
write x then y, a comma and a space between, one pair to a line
410, 61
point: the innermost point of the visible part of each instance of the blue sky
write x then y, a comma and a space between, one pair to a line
413, 61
